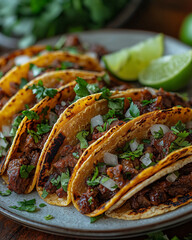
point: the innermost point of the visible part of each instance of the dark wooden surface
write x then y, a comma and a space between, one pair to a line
157, 15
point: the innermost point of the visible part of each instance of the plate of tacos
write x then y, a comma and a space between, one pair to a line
85, 154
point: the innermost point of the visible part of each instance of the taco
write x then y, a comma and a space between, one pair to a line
45, 85
61, 158
21, 75
34, 129
128, 156
167, 190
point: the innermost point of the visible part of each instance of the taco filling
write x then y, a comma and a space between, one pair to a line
120, 111
175, 184
126, 162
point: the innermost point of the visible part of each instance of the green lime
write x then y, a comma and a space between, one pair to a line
128, 62
169, 72
186, 30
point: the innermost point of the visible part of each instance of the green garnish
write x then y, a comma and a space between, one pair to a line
159, 134
105, 93
104, 179
90, 200
56, 181
44, 194
117, 105
81, 136
1, 74
41, 205
48, 217
81, 88
40, 91
6, 193
30, 114
76, 155
43, 128
23, 83
25, 170
146, 141
146, 102
115, 186
27, 206
65, 65
35, 70
65, 180
178, 143
132, 155
95, 179
34, 135
16, 124
94, 219
133, 111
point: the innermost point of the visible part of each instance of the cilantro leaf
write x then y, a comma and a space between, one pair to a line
30, 114
134, 110
34, 135
105, 93
48, 217
132, 155
15, 124
95, 179
6, 193
66, 65
179, 127
94, 219
76, 155
25, 170
23, 83
90, 200
43, 128
159, 134
27, 206
146, 102
178, 143
35, 70
41, 205
116, 104
65, 180
81, 88
56, 181
81, 136
44, 194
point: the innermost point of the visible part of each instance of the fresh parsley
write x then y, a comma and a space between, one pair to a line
25, 170
65, 180
81, 136
23, 83
48, 217
41, 92
6, 193
147, 102
30, 114
27, 206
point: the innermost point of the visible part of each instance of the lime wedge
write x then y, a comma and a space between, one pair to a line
169, 72
128, 62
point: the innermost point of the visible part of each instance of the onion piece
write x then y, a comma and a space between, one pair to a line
108, 183
6, 130
3, 143
19, 60
92, 54
156, 127
96, 121
171, 177
189, 125
146, 160
63, 103
133, 145
151, 90
110, 159
127, 114
52, 118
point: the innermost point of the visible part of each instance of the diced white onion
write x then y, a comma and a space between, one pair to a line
146, 160
133, 145
6, 130
189, 125
151, 90
171, 177
21, 59
109, 184
127, 114
1, 135
52, 118
91, 54
63, 103
110, 159
3, 143
96, 121
157, 127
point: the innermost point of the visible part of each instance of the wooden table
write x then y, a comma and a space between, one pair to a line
160, 16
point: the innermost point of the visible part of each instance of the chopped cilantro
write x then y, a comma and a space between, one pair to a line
81, 88
35, 70
34, 135
49, 48
132, 155
94, 219
178, 143
43, 128
179, 127
56, 181
23, 83
130, 99
133, 111
93, 88
76, 155
65, 180
30, 114
6, 193
146, 141
146, 102
44, 194
105, 93
90, 200
15, 124
41, 205
48, 217
27, 206
1, 74
159, 134
65, 65
81, 136
40, 91
25, 170
95, 179
116, 104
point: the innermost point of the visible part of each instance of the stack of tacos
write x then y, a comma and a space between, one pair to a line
81, 136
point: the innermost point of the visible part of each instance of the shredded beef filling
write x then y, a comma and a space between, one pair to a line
162, 190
